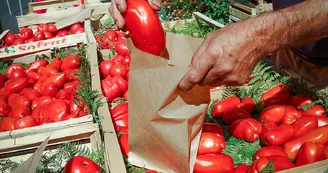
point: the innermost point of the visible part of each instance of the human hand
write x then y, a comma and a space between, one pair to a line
226, 56
118, 7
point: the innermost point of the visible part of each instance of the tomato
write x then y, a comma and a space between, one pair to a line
213, 163
118, 59
325, 152
279, 162
73, 107
31, 40
45, 121
139, 17
81, 164
235, 114
224, 105
299, 100
71, 62
13, 67
4, 107
48, 35
47, 71
279, 89
121, 83
247, 104
56, 63
25, 122
316, 110
2, 80
213, 128
121, 121
275, 113
9, 39
38, 36
71, 86
322, 121
7, 123
26, 33
121, 48
19, 112
126, 61
127, 75
275, 137
79, 31
104, 68
248, 129
151, 171
126, 95
51, 28
124, 143
111, 35
16, 99
241, 168
310, 152
63, 94
211, 143
61, 33
50, 89
15, 86
72, 115
119, 109
72, 74
269, 151
292, 147
304, 124
17, 73
18, 41
74, 27
120, 35
268, 126
291, 115
34, 66
58, 79
110, 90
43, 100
55, 110
36, 114
42, 27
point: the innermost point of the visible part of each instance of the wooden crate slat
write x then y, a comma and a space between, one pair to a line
52, 3
208, 20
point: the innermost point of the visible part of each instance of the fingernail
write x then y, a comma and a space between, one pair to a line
119, 8
157, 4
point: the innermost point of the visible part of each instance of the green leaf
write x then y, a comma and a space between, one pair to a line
254, 80
269, 168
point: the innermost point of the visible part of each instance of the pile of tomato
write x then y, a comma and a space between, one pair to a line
43, 32
290, 136
41, 93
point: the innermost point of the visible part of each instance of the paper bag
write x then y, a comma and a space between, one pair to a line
164, 122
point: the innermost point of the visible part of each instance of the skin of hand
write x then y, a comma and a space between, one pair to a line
118, 7
228, 56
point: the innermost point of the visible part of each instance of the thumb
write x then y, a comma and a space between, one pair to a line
155, 4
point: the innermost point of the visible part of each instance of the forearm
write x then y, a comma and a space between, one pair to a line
292, 26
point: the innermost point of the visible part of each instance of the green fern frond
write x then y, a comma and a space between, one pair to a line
230, 91
269, 168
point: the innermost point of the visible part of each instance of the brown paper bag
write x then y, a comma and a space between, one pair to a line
164, 122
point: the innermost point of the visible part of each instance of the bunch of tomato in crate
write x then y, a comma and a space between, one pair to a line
43, 32
41, 93
289, 136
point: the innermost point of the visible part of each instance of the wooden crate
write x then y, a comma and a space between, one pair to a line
54, 4
113, 154
249, 10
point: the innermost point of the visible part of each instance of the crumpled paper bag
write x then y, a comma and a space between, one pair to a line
164, 122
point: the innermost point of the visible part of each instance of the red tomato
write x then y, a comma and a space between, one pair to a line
211, 143
275, 113
124, 143
72, 115
31, 40
48, 35
248, 129
269, 151
110, 90
274, 137
75, 27
119, 109
26, 33
71, 86
126, 61
111, 35
73, 107
17, 73
63, 94
56, 63
50, 89
25, 122
316, 110
16, 99
268, 126
61, 33
299, 100
304, 124
8, 123
2, 80
55, 110
18, 41
34, 66
43, 100
127, 75
38, 36
36, 114
81, 164
322, 121
247, 104
4, 107
213, 163
71, 62
279, 89
13, 67
72, 74
121, 121
310, 152
51, 28
121, 83
224, 105
118, 59
19, 112
280, 163
15, 86
118, 70
79, 31
104, 68
120, 35
9, 39
42, 27
139, 17
291, 115
213, 128
241, 168
47, 71
121, 48
126, 95
235, 114
58, 79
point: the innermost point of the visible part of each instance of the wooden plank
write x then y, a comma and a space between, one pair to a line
113, 154
200, 16
51, 3
239, 14
317, 167
241, 7
100, 8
